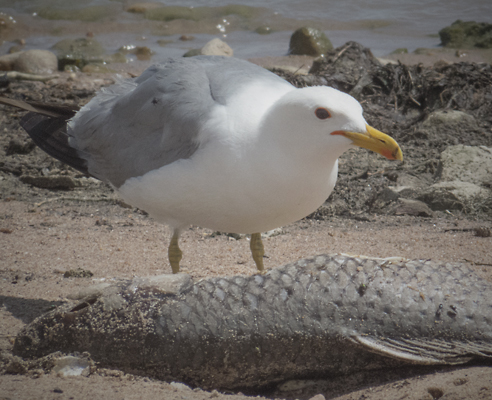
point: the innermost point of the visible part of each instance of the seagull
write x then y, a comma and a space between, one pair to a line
210, 141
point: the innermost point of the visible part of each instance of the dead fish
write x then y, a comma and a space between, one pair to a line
327, 315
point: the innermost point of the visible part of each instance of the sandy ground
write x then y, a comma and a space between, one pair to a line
40, 242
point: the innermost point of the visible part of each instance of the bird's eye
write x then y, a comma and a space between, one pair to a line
322, 113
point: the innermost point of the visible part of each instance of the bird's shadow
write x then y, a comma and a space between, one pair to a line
28, 309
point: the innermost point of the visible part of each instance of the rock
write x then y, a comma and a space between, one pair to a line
465, 192
309, 41
318, 397
16, 366
217, 47
407, 192
16, 146
382, 199
467, 34
78, 52
412, 207
143, 53
180, 386
263, 30
465, 174
330, 208
30, 61
115, 58
186, 38
272, 233
235, 236
446, 118
441, 199
471, 164
457, 195
16, 48
447, 128
36, 62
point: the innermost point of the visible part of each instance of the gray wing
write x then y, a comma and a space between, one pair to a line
143, 124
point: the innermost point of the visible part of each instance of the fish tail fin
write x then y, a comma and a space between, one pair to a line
427, 351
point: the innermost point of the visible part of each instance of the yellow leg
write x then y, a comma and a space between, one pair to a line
257, 250
174, 252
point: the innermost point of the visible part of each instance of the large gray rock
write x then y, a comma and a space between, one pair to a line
30, 61
466, 180
36, 62
471, 164
79, 52
411, 207
215, 47
441, 198
467, 34
309, 41
457, 195
446, 118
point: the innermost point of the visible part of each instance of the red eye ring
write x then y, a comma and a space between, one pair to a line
322, 113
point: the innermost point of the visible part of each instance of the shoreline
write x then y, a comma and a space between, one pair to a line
131, 29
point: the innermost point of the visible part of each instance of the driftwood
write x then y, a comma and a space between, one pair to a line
22, 76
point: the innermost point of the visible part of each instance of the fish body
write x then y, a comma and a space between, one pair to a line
327, 315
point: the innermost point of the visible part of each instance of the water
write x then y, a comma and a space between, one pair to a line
382, 25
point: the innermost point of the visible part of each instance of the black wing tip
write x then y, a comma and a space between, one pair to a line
46, 124
50, 135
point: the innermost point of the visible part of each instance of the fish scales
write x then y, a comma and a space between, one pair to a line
318, 316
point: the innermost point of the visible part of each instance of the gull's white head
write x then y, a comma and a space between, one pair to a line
320, 120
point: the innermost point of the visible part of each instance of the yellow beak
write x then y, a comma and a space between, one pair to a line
376, 141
